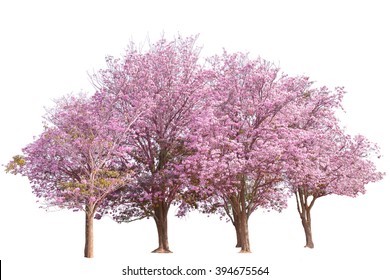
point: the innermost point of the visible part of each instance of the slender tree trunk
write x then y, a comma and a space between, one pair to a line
88, 249
304, 208
161, 219
245, 246
309, 238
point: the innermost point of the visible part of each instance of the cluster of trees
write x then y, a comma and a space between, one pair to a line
225, 136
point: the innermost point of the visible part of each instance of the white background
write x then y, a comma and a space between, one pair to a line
48, 47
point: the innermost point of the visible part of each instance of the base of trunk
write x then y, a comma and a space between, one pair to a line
88, 247
308, 235
310, 246
161, 250
245, 251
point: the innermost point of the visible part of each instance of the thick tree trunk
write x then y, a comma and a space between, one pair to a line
304, 208
161, 219
237, 226
241, 217
88, 249
244, 232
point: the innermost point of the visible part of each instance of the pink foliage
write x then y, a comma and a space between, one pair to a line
169, 83
244, 144
75, 163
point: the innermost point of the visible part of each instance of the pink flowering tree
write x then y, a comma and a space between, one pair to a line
76, 162
241, 151
333, 163
169, 82
323, 159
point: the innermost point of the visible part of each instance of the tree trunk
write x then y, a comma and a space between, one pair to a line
244, 232
308, 233
237, 226
304, 208
161, 219
88, 249
241, 218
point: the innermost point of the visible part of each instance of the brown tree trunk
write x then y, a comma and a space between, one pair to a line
244, 232
304, 208
237, 226
88, 249
308, 233
241, 219
161, 219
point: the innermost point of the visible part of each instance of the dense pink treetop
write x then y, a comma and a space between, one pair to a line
333, 162
73, 163
241, 139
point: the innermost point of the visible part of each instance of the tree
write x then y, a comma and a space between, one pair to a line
75, 163
242, 149
334, 164
323, 159
168, 80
